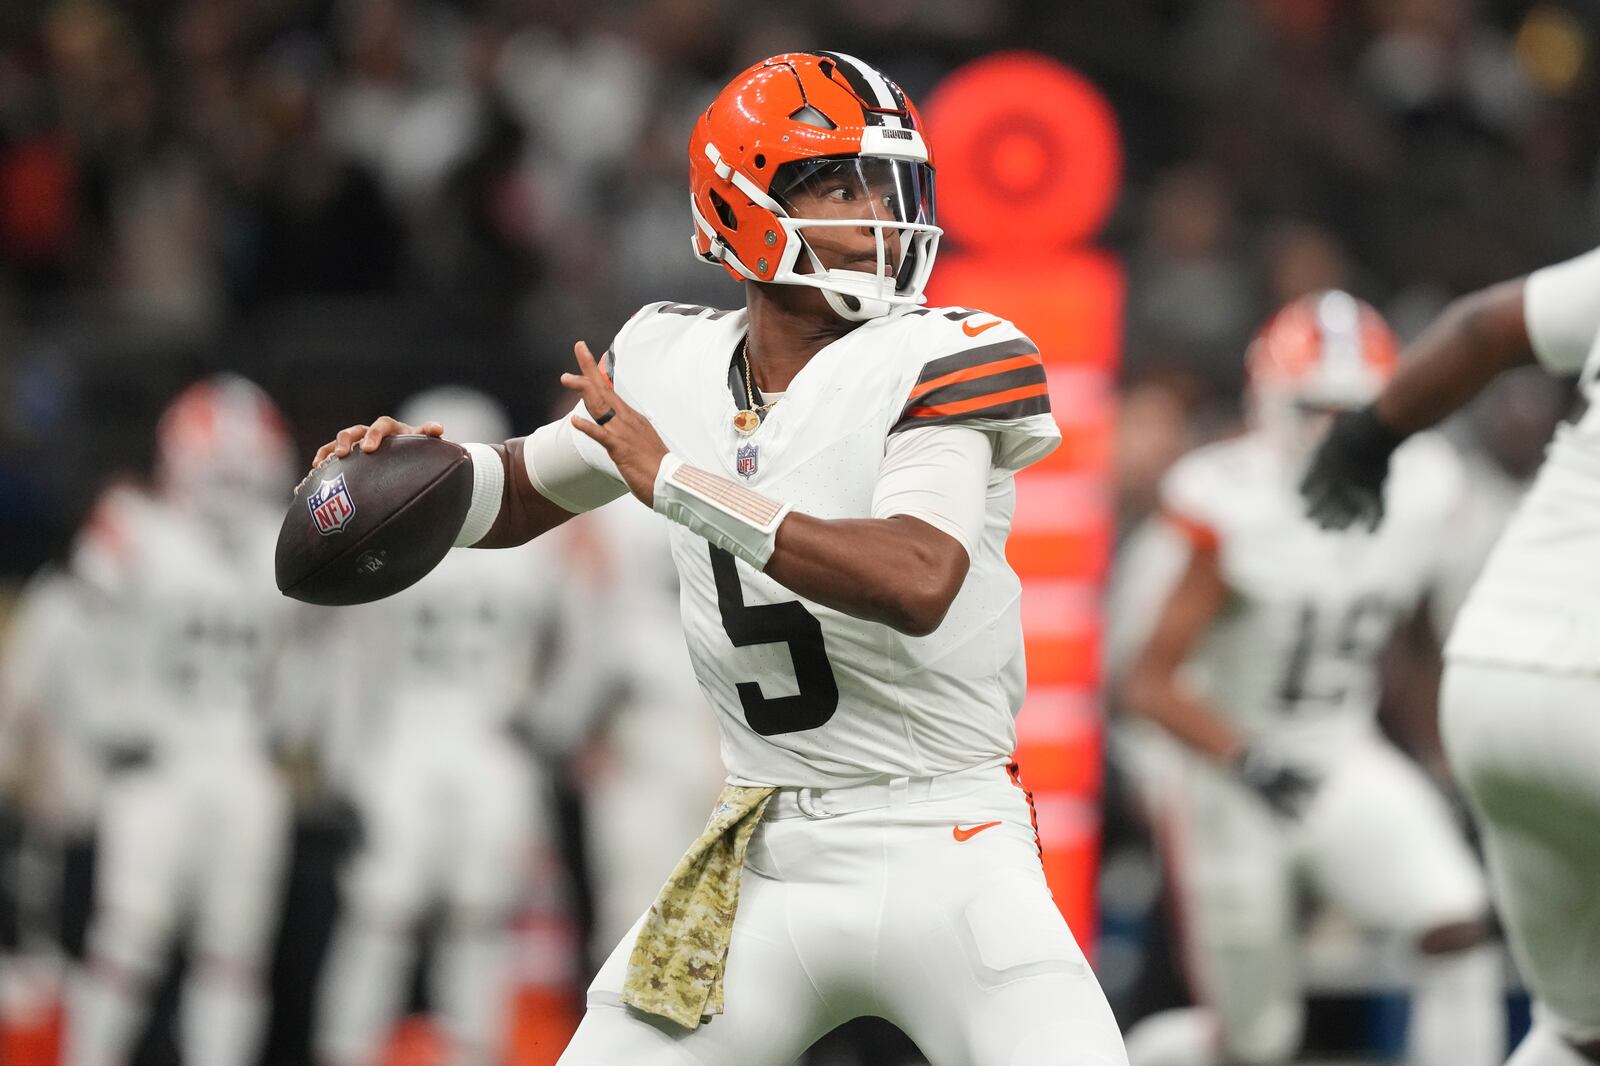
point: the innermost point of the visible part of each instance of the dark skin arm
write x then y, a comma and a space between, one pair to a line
524, 513
1477, 337
1153, 689
899, 571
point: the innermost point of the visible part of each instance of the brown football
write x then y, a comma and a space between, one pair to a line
368, 525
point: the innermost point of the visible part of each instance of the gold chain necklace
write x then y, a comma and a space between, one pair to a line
749, 420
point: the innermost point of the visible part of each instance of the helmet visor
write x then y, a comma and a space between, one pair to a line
870, 188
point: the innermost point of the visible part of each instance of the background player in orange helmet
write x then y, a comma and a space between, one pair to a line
1261, 670
194, 818
837, 463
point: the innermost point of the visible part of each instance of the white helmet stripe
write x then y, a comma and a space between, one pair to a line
1339, 320
882, 94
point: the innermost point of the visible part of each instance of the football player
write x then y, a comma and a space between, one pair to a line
194, 817
1262, 665
837, 462
1519, 692
448, 803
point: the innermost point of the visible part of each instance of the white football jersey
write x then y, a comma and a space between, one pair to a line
1537, 603
198, 603
1293, 660
465, 647
808, 695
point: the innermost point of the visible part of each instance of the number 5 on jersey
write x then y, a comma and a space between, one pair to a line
777, 623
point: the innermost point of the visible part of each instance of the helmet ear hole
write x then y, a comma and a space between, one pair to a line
723, 209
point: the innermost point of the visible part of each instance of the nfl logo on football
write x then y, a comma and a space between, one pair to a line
744, 460
331, 507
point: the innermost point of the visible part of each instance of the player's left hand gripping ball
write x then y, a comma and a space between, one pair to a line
367, 524
627, 436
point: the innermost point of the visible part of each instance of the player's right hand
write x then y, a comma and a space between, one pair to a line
366, 437
1287, 789
1344, 483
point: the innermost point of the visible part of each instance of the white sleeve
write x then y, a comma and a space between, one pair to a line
939, 474
569, 469
1561, 305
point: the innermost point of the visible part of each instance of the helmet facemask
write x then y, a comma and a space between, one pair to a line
861, 229
833, 198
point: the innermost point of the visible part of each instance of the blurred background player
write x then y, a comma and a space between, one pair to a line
193, 820
1262, 671
436, 684
655, 767
1518, 701
55, 673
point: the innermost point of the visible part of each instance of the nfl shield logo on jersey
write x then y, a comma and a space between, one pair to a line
331, 507
744, 460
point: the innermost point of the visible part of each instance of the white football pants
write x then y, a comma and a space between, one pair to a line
198, 836
1378, 841
866, 901
449, 818
1525, 746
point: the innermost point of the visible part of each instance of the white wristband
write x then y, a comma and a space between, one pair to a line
724, 512
488, 488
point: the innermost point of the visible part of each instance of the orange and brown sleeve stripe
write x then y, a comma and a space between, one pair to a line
1002, 380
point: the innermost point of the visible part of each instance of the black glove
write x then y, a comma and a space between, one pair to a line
1344, 483
1287, 789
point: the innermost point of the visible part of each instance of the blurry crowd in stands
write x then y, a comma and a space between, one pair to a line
348, 199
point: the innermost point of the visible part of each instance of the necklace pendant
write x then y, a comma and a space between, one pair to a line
746, 422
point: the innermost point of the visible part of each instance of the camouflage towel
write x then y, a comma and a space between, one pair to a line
675, 970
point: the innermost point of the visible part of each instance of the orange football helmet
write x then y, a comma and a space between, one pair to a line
222, 443
803, 143
1319, 355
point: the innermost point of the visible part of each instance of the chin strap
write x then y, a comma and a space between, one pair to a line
866, 309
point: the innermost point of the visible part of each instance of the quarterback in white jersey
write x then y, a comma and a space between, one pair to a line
838, 462
432, 691
1263, 664
194, 818
1522, 675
